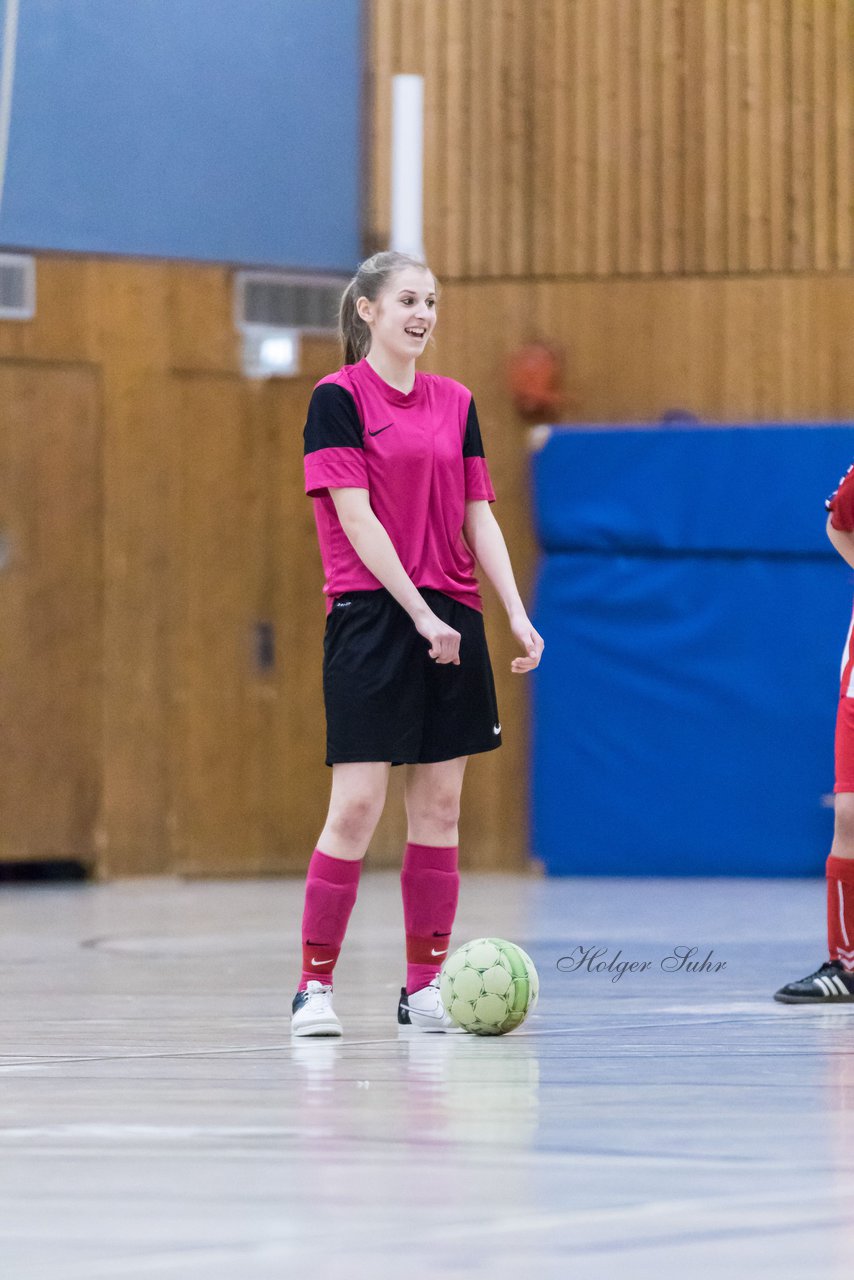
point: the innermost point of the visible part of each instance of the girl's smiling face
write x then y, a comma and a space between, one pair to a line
403, 317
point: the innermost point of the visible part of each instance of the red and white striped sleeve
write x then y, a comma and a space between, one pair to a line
840, 504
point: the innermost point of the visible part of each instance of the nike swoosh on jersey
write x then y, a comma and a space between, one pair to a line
379, 430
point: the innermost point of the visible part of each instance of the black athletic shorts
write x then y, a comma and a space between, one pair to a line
386, 699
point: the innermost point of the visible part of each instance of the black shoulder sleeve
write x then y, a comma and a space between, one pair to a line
472, 443
332, 421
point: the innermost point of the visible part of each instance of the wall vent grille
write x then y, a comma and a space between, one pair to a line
17, 287
271, 301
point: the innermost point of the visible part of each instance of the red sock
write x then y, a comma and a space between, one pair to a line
840, 910
430, 882
330, 893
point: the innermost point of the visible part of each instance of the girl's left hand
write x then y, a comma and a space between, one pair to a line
530, 640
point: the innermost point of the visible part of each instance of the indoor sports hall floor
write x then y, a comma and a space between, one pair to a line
157, 1121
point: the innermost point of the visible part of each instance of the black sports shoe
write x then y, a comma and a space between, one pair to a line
831, 984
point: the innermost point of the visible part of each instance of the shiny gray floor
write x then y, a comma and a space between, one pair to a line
156, 1121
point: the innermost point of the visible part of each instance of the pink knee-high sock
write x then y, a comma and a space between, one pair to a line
330, 894
430, 881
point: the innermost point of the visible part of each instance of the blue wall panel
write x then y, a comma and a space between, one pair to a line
735, 488
200, 129
683, 714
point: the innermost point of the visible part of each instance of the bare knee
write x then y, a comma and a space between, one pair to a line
353, 820
438, 810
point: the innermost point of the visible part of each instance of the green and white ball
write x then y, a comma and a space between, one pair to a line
489, 986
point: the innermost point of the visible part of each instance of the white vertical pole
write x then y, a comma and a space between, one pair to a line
7, 79
407, 165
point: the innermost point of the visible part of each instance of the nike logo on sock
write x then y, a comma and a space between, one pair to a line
438, 953
379, 430
316, 962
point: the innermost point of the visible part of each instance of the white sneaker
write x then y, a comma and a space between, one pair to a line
423, 1010
313, 1014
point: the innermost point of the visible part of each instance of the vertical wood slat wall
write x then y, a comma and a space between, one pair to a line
601, 138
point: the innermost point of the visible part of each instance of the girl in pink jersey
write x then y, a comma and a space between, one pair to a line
833, 982
395, 465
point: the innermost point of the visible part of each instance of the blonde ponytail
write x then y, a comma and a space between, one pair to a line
354, 333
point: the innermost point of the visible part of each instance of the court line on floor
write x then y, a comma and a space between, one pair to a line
543, 1032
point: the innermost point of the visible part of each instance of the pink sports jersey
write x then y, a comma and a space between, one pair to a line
420, 456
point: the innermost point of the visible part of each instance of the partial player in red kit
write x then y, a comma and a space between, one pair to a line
834, 982
394, 462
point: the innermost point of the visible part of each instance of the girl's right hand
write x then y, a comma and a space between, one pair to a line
444, 640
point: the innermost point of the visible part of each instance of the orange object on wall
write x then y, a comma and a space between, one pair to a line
535, 381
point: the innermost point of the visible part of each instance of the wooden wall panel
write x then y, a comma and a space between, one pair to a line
624, 145
778, 138
842, 159
693, 168
671, 124
248, 624
543, 31
299, 780
822, 120
756, 133
136, 330
727, 350
558, 207
800, 127
129, 318
50, 611
478, 248
625, 137
382, 63
729, 95
647, 259
219, 735
712, 188
199, 761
